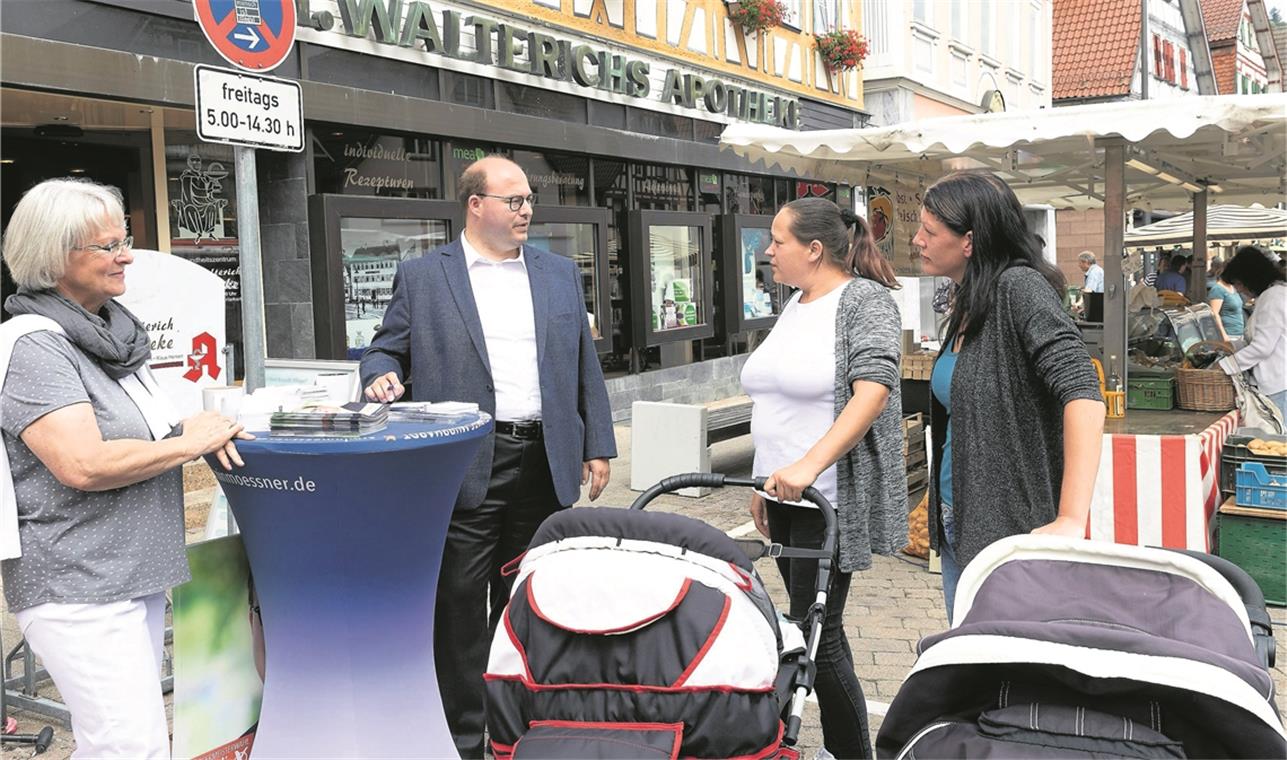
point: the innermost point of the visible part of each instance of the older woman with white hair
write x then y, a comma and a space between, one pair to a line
91, 499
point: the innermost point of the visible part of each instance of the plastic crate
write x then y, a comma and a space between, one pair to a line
1235, 453
1256, 487
1150, 393
1258, 545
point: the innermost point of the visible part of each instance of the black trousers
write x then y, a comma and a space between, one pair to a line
841, 705
519, 497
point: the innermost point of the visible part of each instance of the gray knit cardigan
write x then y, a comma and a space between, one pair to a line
871, 480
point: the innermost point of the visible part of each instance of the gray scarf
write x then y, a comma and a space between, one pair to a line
114, 337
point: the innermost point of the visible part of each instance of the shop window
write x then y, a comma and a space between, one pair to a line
458, 155
202, 189
805, 188
467, 90
557, 179
372, 250
751, 194
709, 195
535, 101
360, 162
663, 188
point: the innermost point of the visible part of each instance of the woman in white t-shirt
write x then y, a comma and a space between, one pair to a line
825, 383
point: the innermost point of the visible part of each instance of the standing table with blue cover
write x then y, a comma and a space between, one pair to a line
345, 538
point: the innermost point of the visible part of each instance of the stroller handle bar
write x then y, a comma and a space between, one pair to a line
812, 623
719, 480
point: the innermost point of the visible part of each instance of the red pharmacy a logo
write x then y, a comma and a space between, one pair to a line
203, 359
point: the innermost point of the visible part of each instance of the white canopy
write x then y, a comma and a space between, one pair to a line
1224, 223
1235, 143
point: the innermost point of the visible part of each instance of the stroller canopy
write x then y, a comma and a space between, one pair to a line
1161, 635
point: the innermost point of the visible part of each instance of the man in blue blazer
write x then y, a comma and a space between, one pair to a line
490, 320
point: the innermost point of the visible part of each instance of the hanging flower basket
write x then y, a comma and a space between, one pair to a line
757, 16
842, 50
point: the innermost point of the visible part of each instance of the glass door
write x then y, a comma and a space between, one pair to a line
358, 243
580, 234
672, 285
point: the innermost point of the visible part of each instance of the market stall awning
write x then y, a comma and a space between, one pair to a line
1224, 223
1237, 143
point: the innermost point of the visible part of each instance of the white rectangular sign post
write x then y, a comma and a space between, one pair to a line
249, 110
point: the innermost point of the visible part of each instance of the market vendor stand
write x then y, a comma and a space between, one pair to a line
1158, 482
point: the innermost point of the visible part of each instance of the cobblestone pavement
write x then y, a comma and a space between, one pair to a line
890, 607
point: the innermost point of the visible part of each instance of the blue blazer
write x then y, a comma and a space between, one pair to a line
432, 337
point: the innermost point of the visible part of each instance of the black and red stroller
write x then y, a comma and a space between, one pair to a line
1070, 648
633, 634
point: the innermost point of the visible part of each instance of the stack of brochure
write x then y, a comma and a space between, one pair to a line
350, 420
438, 411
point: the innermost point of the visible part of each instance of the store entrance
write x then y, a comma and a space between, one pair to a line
30, 156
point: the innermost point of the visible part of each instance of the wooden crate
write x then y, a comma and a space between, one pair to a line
917, 366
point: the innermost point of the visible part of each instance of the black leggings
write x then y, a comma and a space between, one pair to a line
840, 700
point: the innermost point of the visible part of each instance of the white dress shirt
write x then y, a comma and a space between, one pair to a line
504, 299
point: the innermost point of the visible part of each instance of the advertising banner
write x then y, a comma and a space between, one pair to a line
894, 215
218, 655
181, 305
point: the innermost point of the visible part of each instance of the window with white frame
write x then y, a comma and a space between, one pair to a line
921, 11
826, 16
959, 10
1013, 25
987, 35
792, 17
1034, 44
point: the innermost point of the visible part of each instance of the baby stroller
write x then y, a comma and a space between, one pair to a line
633, 634
1070, 648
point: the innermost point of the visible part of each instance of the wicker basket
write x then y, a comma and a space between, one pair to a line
1204, 390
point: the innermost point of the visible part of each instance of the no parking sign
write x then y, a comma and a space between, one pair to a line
254, 35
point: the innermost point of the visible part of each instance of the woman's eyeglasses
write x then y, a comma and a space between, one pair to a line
111, 249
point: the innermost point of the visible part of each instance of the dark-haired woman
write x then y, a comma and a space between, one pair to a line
1253, 273
1016, 413
825, 383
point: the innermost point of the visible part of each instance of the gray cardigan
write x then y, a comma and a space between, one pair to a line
871, 480
1009, 389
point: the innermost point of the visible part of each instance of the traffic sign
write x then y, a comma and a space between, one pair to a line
236, 108
254, 35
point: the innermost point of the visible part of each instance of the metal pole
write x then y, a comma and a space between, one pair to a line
1114, 230
252, 273
1198, 262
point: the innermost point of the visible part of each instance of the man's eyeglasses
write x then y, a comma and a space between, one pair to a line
515, 202
113, 248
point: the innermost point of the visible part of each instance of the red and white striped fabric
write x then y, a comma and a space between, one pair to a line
1159, 490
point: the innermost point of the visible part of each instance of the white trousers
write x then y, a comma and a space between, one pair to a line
105, 660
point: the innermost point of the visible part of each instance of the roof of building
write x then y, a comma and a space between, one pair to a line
1280, 40
1221, 18
1095, 48
1224, 64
